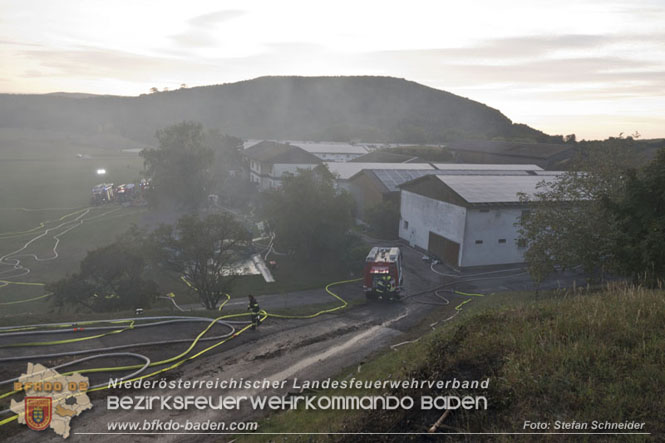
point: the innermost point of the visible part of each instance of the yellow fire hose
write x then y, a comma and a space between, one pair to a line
177, 358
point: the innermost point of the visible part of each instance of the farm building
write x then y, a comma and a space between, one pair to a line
466, 220
384, 156
342, 172
269, 161
331, 151
546, 155
379, 183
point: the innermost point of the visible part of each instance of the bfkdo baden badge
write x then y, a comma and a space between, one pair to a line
38, 412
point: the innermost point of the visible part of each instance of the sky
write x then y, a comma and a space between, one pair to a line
593, 68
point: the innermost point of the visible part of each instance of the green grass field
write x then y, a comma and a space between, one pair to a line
43, 180
562, 356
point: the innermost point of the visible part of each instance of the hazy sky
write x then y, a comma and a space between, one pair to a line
595, 68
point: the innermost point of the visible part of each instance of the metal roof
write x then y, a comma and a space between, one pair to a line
331, 148
317, 147
347, 170
492, 188
544, 173
392, 178
273, 152
486, 166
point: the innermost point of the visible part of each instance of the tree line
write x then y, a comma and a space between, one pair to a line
606, 215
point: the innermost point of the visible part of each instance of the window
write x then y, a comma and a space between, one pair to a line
405, 224
521, 243
502, 240
479, 242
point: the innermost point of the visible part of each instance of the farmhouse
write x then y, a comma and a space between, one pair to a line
467, 220
268, 162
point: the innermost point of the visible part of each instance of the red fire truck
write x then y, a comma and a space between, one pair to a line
383, 261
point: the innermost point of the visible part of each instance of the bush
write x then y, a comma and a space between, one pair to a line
383, 220
110, 279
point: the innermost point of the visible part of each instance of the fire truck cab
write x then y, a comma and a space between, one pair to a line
383, 261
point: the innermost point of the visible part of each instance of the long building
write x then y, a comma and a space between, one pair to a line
377, 183
467, 220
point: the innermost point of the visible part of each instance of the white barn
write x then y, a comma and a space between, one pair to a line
466, 220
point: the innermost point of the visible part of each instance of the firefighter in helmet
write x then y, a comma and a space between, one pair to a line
254, 309
384, 282
380, 288
391, 289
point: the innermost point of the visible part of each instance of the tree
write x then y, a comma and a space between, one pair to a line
567, 223
202, 251
640, 217
227, 150
383, 219
180, 166
309, 216
110, 279
154, 90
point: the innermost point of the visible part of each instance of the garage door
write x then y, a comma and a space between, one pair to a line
446, 250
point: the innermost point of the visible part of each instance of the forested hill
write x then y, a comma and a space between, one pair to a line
315, 108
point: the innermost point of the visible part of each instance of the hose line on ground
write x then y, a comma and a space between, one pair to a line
182, 358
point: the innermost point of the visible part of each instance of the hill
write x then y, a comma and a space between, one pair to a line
301, 108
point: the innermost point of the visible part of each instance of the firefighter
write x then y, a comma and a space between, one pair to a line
380, 288
254, 310
392, 289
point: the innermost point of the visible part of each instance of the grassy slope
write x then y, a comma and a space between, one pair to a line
577, 357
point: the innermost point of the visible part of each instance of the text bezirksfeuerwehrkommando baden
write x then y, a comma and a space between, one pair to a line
276, 402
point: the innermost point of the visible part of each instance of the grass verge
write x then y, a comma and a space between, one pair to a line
568, 357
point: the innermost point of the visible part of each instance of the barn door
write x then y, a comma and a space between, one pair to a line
446, 250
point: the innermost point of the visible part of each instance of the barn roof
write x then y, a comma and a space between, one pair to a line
390, 179
477, 189
332, 148
383, 156
485, 167
347, 170
273, 152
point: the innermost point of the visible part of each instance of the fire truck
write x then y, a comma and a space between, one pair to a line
102, 193
383, 261
125, 192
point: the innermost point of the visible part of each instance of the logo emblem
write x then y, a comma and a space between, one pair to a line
38, 412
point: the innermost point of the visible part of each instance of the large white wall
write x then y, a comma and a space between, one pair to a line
425, 214
490, 227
